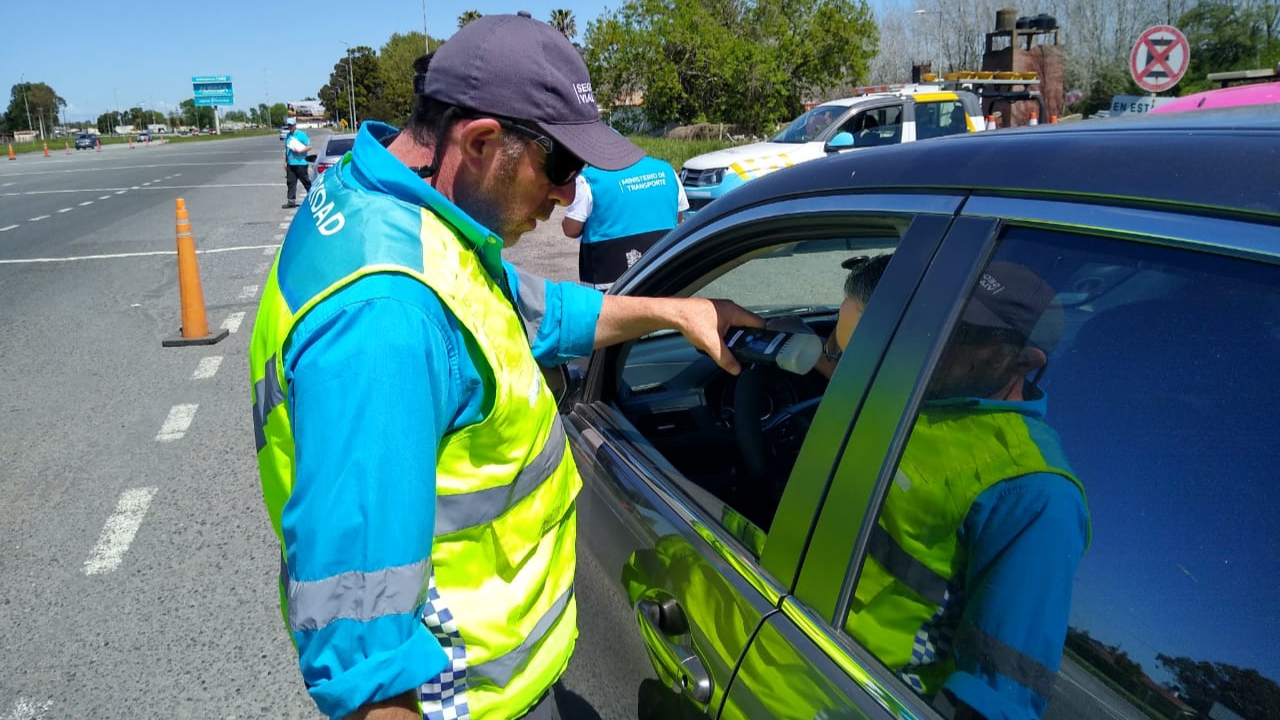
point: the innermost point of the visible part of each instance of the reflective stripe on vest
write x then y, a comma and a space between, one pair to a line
954, 454
267, 394
467, 510
500, 670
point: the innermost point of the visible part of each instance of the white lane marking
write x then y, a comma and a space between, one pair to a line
6, 184
135, 187
284, 226
175, 426
150, 253
278, 238
38, 218
66, 209
232, 323
24, 709
118, 533
207, 368
145, 184
121, 192
105, 197
248, 291
86, 202
269, 251
7, 228
262, 268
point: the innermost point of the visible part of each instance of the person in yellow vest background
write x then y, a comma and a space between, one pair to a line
966, 590
414, 465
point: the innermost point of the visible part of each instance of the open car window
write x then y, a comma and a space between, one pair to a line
692, 412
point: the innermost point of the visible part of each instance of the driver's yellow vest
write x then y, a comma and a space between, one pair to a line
915, 563
503, 554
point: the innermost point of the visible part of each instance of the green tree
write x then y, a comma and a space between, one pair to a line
1243, 690
277, 114
562, 19
29, 103
395, 66
753, 62
237, 116
1222, 37
201, 117
467, 17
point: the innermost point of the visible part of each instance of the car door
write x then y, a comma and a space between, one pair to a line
659, 523
1161, 323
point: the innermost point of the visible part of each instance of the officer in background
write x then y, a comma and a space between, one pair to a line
296, 166
620, 214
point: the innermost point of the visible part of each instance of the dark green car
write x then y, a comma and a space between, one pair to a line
732, 528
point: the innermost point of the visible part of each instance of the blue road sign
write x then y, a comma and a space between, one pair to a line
212, 89
210, 78
211, 100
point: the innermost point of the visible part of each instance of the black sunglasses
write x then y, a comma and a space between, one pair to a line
561, 166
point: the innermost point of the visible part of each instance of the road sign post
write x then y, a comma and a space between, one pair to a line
1159, 58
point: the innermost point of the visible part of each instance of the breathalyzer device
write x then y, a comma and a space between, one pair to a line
793, 352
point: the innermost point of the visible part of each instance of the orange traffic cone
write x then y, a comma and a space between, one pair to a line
11, 155
1035, 118
46, 149
1053, 119
991, 122
195, 326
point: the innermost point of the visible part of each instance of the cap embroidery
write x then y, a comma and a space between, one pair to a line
584, 93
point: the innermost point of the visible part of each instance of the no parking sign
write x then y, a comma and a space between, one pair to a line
1160, 58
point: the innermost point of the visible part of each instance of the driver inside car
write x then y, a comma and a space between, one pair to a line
966, 590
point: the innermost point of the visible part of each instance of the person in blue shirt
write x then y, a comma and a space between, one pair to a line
297, 169
420, 537
620, 214
991, 645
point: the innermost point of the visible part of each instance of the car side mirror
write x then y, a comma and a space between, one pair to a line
842, 141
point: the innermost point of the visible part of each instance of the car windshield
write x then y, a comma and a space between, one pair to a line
810, 126
339, 146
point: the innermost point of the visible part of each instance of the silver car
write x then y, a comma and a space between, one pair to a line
334, 148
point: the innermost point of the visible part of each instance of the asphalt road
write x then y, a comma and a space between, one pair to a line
137, 566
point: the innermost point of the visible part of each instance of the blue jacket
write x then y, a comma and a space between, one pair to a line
292, 157
379, 372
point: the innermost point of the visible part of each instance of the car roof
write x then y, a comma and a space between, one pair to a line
905, 91
1224, 158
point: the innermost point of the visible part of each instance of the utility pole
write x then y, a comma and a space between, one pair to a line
426, 39
351, 86
25, 102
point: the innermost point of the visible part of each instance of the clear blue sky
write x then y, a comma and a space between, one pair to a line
144, 55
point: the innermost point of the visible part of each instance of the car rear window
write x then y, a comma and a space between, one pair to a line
339, 146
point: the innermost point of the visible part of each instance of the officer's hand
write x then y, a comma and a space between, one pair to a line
705, 322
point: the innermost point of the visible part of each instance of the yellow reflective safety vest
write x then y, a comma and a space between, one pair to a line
915, 562
501, 601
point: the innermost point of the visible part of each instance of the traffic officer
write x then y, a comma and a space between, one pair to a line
296, 166
414, 466
620, 214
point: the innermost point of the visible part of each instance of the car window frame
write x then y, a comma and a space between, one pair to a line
840, 536
930, 216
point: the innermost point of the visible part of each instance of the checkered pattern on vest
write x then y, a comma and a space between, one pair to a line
444, 697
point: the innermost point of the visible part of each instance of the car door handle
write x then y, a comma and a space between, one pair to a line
658, 622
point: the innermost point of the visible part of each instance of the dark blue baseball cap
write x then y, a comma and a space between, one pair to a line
516, 67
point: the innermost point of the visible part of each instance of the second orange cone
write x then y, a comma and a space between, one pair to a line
195, 325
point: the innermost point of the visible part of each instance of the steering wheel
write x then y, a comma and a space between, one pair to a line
759, 439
